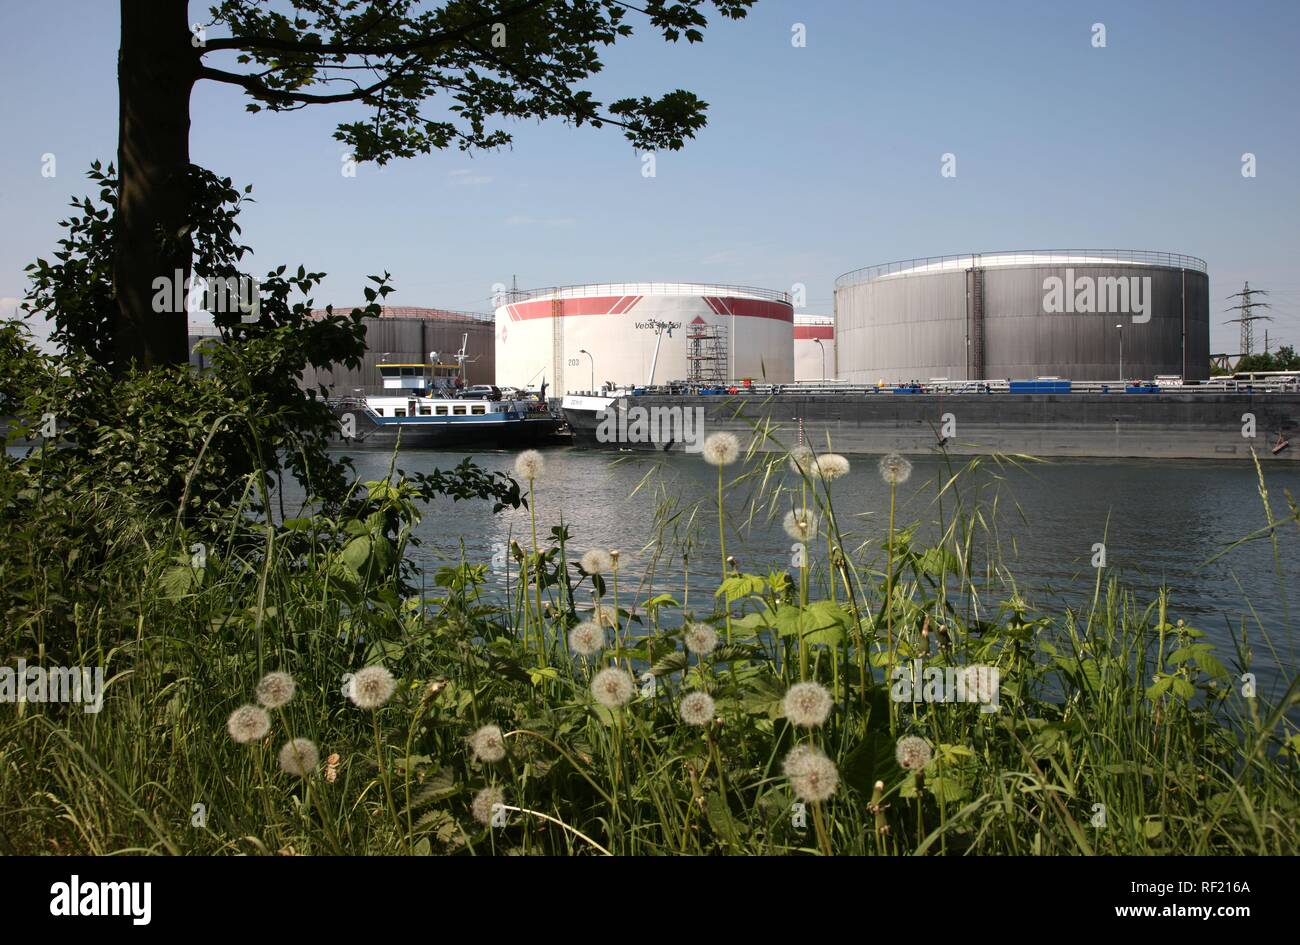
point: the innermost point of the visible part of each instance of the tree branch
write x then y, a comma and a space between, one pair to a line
269, 44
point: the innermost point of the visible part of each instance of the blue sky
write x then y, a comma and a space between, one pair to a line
815, 161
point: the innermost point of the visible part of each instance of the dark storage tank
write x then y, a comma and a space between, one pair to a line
1025, 314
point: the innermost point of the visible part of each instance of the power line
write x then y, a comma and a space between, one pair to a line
1247, 319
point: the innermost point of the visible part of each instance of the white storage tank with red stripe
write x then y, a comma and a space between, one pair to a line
814, 348
579, 338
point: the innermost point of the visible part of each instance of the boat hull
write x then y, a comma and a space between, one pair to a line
537, 430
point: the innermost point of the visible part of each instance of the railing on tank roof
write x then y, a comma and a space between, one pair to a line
640, 288
1067, 256
414, 311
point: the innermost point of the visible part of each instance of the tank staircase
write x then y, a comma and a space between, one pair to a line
706, 356
557, 346
975, 337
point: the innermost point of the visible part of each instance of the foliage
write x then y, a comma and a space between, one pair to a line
513, 59
1285, 358
174, 434
129, 459
1121, 708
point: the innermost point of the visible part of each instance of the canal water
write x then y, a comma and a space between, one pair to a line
1163, 524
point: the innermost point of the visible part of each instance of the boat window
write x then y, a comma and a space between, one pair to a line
380, 411
399, 411
458, 411
426, 411
480, 409
442, 410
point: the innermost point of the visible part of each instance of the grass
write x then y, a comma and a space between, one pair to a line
1120, 730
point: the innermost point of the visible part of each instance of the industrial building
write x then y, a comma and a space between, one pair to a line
413, 336
584, 337
814, 348
1074, 314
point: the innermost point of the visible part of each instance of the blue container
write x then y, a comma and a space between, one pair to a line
1040, 387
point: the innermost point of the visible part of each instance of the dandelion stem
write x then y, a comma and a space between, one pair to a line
823, 841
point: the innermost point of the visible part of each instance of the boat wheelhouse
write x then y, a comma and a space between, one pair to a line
425, 379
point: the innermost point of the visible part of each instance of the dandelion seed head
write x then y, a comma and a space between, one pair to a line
275, 690
484, 802
597, 561
529, 465
587, 638
801, 524
488, 744
248, 723
697, 708
371, 687
613, 688
895, 468
299, 757
721, 449
802, 460
605, 614
830, 466
813, 777
700, 638
807, 704
912, 753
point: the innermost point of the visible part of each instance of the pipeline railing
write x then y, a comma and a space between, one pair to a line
990, 386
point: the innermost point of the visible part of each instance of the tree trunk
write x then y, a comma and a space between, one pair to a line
157, 67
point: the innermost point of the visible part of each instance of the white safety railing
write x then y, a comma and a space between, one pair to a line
1023, 257
640, 288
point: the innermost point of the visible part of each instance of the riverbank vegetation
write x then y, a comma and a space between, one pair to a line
281, 685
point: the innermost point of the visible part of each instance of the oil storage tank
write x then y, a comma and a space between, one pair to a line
585, 337
1074, 314
410, 335
814, 348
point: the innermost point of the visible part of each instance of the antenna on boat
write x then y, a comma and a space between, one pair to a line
462, 356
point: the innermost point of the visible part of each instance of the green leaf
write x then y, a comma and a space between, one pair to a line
539, 675
1159, 688
946, 789
720, 819
356, 553
741, 585
1150, 828
176, 582
939, 561
674, 662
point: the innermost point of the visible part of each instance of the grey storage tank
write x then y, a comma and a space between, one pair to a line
1025, 314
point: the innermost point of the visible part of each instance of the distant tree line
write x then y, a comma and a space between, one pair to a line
1284, 358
